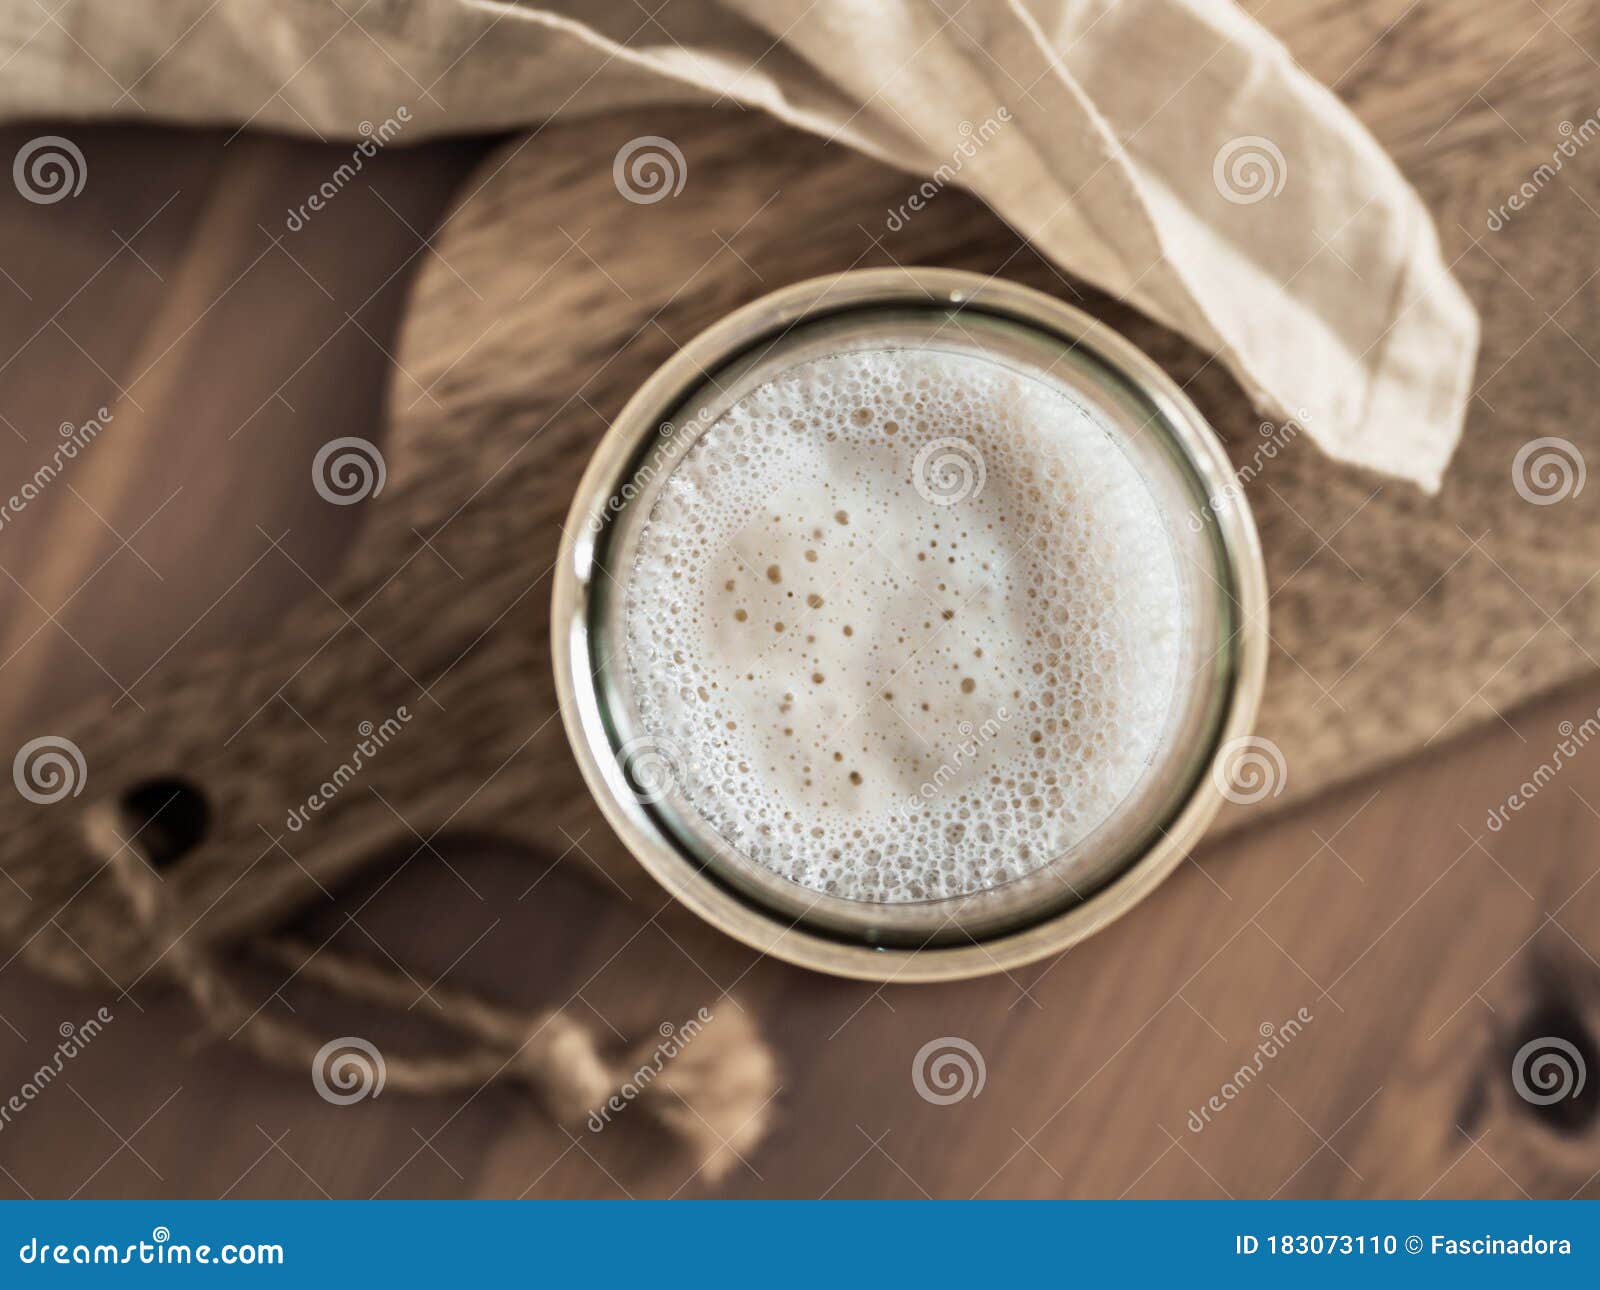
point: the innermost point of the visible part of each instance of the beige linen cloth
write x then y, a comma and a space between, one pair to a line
1168, 151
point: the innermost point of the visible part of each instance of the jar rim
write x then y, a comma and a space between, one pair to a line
582, 702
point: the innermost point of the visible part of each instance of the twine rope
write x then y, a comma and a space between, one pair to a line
713, 1097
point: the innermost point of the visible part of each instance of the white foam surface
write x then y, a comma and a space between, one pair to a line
906, 624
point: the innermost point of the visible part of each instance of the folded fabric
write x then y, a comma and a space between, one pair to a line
1168, 151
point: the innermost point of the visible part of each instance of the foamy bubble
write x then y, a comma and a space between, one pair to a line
912, 619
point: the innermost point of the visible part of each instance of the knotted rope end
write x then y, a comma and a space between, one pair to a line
715, 1091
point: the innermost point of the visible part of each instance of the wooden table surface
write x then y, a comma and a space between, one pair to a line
1425, 949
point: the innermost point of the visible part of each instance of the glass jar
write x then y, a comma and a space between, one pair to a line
1222, 654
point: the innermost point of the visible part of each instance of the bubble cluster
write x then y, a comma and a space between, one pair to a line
891, 685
